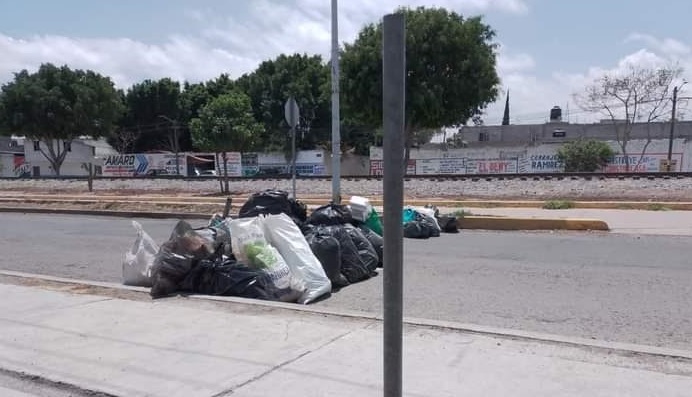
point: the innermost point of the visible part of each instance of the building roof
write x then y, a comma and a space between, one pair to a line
101, 146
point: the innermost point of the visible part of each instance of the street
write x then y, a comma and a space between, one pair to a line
624, 288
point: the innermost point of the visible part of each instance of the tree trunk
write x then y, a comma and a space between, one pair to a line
225, 173
408, 141
627, 157
56, 167
218, 177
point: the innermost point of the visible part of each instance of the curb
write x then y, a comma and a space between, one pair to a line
121, 214
376, 201
510, 223
622, 348
467, 222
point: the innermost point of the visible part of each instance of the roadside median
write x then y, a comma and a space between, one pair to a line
468, 222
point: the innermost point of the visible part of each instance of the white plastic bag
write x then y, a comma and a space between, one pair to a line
140, 259
284, 234
250, 247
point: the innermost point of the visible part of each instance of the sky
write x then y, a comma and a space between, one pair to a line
548, 49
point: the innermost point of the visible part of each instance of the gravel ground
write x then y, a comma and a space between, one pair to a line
611, 189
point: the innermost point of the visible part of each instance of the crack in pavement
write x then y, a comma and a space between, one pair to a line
277, 367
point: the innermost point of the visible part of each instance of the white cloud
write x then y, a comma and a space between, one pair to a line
236, 44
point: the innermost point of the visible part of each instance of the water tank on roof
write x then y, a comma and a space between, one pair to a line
555, 114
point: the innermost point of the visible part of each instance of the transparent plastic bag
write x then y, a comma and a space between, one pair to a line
138, 263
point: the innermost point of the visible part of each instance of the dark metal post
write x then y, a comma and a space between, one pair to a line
672, 131
394, 89
336, 118
227, 208
293, 166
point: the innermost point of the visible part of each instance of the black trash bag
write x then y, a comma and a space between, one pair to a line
299, 211
268, 202
328, 251
448, 224
366, 251
352, 266
227, 278
176, 257
219, 238
331, 214
414, 229
376, 240
429, 225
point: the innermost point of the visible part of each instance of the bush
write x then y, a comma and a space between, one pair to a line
558, 205
585, 155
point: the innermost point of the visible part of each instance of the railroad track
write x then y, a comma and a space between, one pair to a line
440, 177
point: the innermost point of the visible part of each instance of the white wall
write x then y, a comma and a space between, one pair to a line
533, 158
72, 165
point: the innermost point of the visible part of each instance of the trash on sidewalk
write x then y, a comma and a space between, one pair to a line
273, 250
140, 259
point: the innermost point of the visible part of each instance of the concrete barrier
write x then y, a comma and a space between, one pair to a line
510, 223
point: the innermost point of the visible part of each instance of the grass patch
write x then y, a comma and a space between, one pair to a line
657, 207
558, 205
461, 213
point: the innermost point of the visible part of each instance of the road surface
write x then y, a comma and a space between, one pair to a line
625, 288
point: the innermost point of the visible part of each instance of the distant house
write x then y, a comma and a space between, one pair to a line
79, 151
12, 157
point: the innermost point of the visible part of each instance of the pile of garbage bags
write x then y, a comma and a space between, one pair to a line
273, 250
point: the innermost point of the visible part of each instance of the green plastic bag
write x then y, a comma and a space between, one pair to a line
373, 222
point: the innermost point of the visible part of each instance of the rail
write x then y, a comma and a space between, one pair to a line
437, 177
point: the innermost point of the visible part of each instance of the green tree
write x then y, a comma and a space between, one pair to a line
151, 105
225, 124
450, 71
307, 79
56, 105
585, 155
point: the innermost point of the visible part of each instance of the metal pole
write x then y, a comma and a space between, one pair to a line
672, 130
293, 166
336, 117
393, 89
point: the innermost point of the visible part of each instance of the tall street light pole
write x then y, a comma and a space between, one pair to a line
336, 118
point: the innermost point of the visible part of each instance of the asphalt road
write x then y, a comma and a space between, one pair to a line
624, 288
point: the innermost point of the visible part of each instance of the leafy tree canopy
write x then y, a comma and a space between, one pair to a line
451, 71
56, 105
306, 77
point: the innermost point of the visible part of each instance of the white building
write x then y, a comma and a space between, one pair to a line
12, 157
79, 152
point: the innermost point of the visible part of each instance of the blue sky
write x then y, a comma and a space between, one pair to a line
549, 48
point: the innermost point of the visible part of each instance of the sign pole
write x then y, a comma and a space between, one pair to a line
336, 117
292, 115
394, 90
293, 166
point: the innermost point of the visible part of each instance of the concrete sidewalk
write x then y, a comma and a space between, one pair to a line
189, 347
671, 223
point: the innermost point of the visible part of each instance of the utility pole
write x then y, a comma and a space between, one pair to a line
669, 165
176, 149
673, 117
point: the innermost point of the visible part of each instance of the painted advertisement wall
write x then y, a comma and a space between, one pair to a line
308, 162
234, 164
643, 157
143, 164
